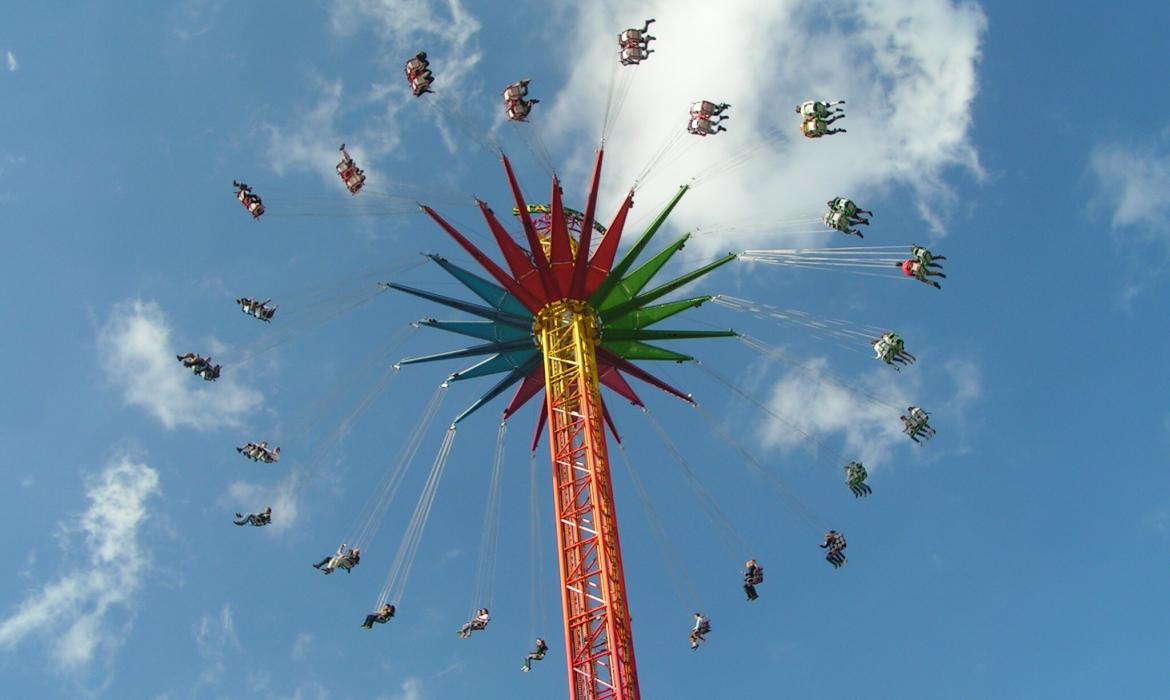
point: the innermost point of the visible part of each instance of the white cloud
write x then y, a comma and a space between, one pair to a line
310, 691
300, 646
215, 637
13, 64
1158, 520
449, 556
197, 17
73, 612
968, 382
953, 412
311, 142
411, 689
308, 142
251, 497
28, 567
818, 408
1133, 182
907, 71
7, 159
445, 28
864, 411
139, 357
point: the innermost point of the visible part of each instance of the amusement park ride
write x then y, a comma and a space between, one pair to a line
565, 318
564, 314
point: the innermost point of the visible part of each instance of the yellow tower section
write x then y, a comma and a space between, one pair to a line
598, 641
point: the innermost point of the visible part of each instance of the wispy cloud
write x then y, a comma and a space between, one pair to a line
953, 411
7, 160
820, 408
247, 496
308, 141
968, 381
72, 613
300, 646
1133, 183
445, 27
197, 17
411, 689
215, 637
894, 63
310, 690
1158, 520
816, 410
138, 354
13, 64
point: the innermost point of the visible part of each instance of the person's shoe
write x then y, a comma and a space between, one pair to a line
524, 669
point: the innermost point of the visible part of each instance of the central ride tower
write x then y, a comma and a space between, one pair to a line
598, 641
566, 318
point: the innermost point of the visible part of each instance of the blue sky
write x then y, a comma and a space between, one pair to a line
1019, 554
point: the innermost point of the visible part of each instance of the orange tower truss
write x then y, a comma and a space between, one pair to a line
565, 318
